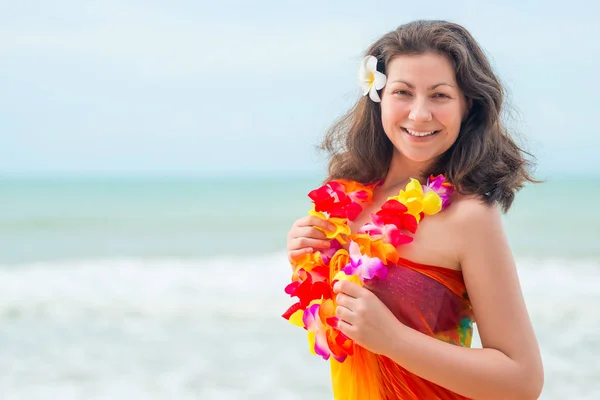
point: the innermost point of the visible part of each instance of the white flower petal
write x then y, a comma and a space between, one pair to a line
380, 80
364, 76
362, 72
373, 95
365, 86
370, 63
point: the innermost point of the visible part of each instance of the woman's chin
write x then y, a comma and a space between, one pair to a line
419, 157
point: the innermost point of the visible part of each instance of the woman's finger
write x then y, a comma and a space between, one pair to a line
347, 329
308, 232
302, 242
295, 254
345, 301
311, 220
344, 314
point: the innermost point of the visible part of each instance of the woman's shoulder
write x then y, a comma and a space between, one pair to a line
471, 222
443, 239
472, 212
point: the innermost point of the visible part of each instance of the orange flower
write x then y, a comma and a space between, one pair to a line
358, 192
313, 263
338, 261
375, 248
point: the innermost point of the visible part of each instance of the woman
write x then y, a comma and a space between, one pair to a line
433, 107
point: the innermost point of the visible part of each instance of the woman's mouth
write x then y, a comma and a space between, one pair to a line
419, 134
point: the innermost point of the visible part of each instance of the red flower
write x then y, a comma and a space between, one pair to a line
334, 199
395, 213
307, 289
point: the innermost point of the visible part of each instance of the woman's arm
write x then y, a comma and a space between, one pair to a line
509, 365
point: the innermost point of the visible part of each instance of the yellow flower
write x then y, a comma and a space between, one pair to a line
417, 202
341, 276
338, 261
296, 318
341, 228
307, 262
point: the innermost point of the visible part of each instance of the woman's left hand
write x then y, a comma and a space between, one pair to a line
364, 318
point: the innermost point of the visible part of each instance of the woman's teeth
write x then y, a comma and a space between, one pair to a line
419, 134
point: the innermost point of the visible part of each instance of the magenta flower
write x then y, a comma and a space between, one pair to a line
328, 253
439, 185
323, 337
389, 232
365, 267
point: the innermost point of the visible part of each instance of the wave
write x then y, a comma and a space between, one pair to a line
237, 287
225, 286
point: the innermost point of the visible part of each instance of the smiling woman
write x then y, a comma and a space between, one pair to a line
394, 308
422, 118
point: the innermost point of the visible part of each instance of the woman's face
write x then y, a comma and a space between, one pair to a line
422, 107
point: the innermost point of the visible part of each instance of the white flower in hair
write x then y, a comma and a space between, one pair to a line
371, 80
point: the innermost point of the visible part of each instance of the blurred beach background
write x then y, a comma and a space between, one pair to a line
154, 156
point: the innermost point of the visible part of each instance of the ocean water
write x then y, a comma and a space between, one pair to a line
173, 288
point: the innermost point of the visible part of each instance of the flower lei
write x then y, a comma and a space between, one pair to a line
369, 253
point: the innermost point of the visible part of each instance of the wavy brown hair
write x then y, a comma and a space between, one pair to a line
485, 160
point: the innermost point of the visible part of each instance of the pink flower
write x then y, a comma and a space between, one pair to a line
365, 267
389, 232
439, 185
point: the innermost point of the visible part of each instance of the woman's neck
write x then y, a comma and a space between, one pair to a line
402, 170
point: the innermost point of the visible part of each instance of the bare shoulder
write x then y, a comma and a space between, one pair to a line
473, 222
449, 238
471, 212
443, 239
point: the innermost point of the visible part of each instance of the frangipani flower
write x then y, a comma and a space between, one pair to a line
364, 266
417, 201
371, 80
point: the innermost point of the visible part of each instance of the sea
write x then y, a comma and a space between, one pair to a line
172, 287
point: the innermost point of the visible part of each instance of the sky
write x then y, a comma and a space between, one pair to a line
237, 87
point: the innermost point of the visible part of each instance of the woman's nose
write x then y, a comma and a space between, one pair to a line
420, 111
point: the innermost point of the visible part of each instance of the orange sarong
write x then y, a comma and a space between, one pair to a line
430, 299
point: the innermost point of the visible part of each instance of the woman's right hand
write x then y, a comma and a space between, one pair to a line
304, 238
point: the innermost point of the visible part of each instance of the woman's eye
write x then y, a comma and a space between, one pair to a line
401, 92
441, 96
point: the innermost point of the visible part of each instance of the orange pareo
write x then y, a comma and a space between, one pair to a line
430, 299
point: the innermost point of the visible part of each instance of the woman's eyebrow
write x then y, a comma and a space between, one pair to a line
410, 85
